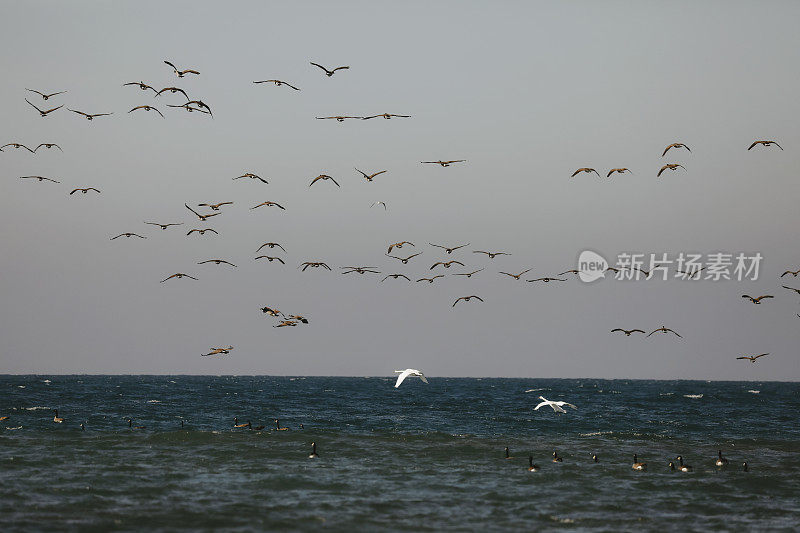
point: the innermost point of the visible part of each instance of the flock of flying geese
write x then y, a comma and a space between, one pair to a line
215, 209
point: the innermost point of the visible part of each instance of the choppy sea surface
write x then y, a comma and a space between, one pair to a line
418, 458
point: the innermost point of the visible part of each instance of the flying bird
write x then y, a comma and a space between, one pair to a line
338, 118
270, 258
430, 280
44, 112
618, 171
663, 330
627, 332
203, 231
369, 177
188, 107
201, 217
752, 358
285, 323
16, 145
395, 276
408, 373
181, 73
44, 95
178, 276
215, 207
84, 191
444, 163
172, 90
216, 262
765, 143
399, 245
674, 145
48, 146
323, 177
127, 235
757, 300
466, 299
359, 270
557, 406
670, 166
586, 170
278, 83
200, 104
379, 203
219, 351
446, 249
491, 255
270, 311
251, 176
271, 245
313, 265
546, 280
791, 289
446, 264
90, 116
468, 274
142, 85
517, 276
793, 273
386, 116
329, 73
147, 108
165, 226
269, 204
40, 178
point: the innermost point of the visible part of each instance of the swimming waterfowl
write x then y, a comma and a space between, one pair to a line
178, 276
531, 466
670, 166
3, 418
556, 458
236, 424
757, 301
682, 467
56, 418
370, 177
45, 96
674, 145
586, 170
595, 458
447, 249
466, 299
162, 226
508, 455
329, 73
127, 235
637, 465
766, 143
406, 259
517, 276
278, 426
408, 372
744, 466
313, 451
721, 461
181, 73
44, 112
84, 191
90, 116
147, 108
752, 358
278, 83
131, 426
444, 163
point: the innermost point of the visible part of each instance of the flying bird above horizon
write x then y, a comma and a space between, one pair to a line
663, 329
269, 204
370, 177
466, 299
517, 276
45, 96
48, 146
188, 107
546, 280
446, 249
329, 73
181, 73
90, 116
446, 264
430, 280
444, 163
757, 301
791, 289
43, 112
399, 245
216, 262
338, 118
792, 272
674, 145
586, 170
251, 176
142, 85
670, 166
40, 178
165, 226
379, 203
360, 270
127, 235
627, 332
408, 372
313, 264
202, 231
172, 90
178, 275
278, 83
491, 255
395, 276
84, 191
147, 108
386, 116
323, 177
201, 217
766, 143
468, 274
16, 146
215, 207
270, 258
752, 358
218, 351
271, 245
618, 171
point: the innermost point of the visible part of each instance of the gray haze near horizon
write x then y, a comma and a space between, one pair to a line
525, 91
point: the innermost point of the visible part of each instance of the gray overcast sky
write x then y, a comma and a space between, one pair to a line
525, 91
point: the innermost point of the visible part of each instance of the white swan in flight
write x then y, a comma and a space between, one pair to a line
406, 373
557, 406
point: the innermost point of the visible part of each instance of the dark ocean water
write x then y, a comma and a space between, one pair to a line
421, 457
